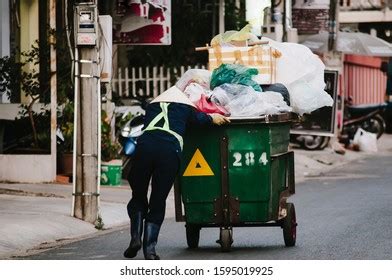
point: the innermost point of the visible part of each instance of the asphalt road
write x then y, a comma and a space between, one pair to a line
345, 214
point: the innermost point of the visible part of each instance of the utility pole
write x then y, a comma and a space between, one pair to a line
53, 85
87, 114
333, 24
334, 60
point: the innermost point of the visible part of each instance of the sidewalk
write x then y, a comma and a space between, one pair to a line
37, 216
40, 213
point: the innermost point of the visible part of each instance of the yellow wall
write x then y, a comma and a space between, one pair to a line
29, 29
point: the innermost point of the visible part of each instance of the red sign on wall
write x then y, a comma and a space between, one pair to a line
142, 22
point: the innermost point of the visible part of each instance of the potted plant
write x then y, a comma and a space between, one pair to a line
111, 165
65, 123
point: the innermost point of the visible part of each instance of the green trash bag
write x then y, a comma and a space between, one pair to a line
234, 74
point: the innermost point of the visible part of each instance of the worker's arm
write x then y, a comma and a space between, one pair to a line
203, 118
200, 118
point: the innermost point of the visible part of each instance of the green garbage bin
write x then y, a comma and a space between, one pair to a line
237, 175
111, 173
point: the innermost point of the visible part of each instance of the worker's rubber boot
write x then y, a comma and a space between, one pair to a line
136, 236
150, 239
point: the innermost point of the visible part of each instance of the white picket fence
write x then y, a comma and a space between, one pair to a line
148, 81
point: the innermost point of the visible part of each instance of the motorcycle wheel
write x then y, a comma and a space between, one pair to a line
325, 143
315, 142
375, 125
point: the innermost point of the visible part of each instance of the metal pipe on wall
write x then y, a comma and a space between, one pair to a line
76, 98
221, 16
53, 88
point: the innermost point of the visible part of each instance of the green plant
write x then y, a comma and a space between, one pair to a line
28, 73
22, 75
9, 75
99, 223
65, 122
32, 89
122, 120
110, 149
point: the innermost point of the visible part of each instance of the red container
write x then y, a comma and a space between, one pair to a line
363, 80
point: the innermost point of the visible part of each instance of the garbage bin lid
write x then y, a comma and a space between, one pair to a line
282, 117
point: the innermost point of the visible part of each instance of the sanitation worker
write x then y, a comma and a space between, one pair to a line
157, 157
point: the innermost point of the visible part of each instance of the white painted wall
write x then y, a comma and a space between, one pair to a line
365, 16
5, 28
10, 111
106, 48
29, 33
255, 14
27, 168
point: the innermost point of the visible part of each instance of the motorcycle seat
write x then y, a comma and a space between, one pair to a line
365, 108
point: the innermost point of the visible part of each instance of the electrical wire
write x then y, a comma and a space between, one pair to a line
274, 5
68, 35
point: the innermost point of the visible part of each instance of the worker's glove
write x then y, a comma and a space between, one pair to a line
219, 119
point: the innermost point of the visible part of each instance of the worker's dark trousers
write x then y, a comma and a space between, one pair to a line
159, 161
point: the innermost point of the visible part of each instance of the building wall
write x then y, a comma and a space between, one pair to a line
26, 168
310, 21
363, 80
4, 37
29, 31
4, 29
311, 16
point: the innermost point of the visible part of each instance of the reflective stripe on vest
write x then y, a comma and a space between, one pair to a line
165, 127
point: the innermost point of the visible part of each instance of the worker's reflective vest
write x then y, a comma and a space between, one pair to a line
165, 127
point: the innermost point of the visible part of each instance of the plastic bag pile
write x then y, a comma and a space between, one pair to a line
229, 90
233, 90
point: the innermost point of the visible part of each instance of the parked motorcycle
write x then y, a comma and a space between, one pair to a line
367, 117
131, 131
310, 142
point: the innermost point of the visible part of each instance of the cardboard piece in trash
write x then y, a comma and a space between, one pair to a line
261, 57
242, 43
175, 95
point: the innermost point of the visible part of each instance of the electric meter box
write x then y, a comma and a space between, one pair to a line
86, 24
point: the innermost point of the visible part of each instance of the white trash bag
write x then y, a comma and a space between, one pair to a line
276, 99
244, 101
302, 72
305, 97
194, 91
366, 141
198, 76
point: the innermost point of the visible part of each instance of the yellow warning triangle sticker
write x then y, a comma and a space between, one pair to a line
198, 166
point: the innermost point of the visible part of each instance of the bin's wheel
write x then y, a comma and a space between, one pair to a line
226, 239
290, 226
192, 235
